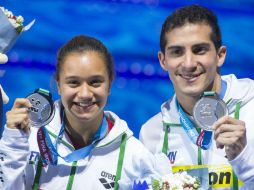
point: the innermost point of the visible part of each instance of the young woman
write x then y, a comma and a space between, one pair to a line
86, 147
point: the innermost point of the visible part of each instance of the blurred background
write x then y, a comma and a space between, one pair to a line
130, 29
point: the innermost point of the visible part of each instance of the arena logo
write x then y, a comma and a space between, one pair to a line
107, 180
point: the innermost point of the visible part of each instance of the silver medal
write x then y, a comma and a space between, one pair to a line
208, 110
42, 110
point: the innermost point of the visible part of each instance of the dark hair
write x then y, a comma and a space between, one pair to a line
191, 14
82, 44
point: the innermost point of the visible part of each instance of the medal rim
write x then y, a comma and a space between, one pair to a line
199, 124
35, 124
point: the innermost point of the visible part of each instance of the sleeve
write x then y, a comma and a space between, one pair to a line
14, 150
245, 172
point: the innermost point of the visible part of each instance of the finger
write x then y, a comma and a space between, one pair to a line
219, 145
227, 120
21, 102
226, 141
239, 130
14, 120
25, 126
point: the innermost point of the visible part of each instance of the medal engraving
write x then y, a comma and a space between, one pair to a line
42, 110
208, 110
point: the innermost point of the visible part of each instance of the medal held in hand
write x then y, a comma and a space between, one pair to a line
42, 110
208, 110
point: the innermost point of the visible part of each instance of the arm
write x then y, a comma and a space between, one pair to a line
14, 147
231, 134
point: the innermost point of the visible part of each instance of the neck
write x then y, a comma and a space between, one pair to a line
188, 102
82, 133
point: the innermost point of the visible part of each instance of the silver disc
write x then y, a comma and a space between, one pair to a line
208, 110
42, 110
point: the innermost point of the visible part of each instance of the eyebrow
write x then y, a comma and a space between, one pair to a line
173, 47
78, 77
202, 44
195, 45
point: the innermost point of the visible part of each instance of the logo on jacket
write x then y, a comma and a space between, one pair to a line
107, 180
172, 157
34, 156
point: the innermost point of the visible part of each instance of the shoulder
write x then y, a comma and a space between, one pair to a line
151, 123
150, 132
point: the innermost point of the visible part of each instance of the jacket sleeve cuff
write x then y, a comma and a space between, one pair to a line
243, 165
15, 138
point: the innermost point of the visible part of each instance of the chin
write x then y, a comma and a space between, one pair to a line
193, 91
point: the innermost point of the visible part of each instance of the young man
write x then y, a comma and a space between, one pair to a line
192, 53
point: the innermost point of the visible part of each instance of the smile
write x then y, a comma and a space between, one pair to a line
83, 104
190, 77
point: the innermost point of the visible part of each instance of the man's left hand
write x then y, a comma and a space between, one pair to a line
231, 134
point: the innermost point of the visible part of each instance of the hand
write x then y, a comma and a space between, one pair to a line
231, 134
4, 95
17, 117
3, 58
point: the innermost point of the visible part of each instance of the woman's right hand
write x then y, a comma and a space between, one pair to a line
17, 117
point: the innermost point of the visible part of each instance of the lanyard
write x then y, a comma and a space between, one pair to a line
74, 167
49, 151
202, 139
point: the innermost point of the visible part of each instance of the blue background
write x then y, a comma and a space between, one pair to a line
130, 29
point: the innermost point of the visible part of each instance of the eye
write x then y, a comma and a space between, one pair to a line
200, 50
96, 82
176, 52
73, 83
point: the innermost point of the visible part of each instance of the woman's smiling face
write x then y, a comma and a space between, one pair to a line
84, 85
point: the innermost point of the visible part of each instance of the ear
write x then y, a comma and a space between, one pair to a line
161, 58
221, 55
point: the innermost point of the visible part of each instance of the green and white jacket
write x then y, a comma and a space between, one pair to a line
164, 133
21, 167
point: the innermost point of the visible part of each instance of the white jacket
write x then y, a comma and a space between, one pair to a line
19, 155
183, 153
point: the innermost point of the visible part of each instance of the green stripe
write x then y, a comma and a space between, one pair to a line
199, 149
61, 141
228, 101
37, 175
72, 174
43, 91
165, 141
120, 161
236, 116
209, 93
171, 124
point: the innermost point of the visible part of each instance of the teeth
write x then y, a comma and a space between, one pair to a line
84, 104
190, 76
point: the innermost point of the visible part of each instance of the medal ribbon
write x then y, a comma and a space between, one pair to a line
202, 140
49, 151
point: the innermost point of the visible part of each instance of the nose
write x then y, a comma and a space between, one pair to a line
85, 91
189, 62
